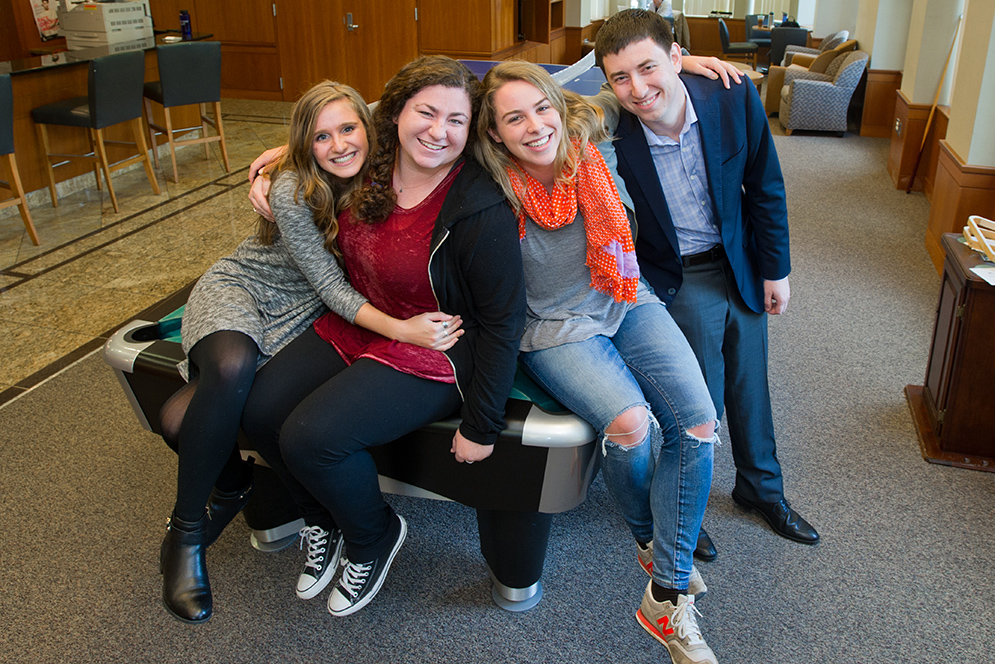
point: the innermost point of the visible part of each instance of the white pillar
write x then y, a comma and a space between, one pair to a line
971, 133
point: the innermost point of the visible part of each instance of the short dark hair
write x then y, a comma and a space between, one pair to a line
628, 26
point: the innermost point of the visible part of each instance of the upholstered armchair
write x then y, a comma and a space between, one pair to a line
803, 64
829, 42
821, 105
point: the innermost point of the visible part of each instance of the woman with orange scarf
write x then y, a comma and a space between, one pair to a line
599, 340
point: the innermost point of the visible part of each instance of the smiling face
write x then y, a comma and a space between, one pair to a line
433, 128
643, 76
529, 127
340, 145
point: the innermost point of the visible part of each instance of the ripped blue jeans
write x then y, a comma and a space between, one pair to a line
661, 485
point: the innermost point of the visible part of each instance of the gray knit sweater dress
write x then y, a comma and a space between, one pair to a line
271, 293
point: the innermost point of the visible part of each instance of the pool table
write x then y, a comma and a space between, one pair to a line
542, 464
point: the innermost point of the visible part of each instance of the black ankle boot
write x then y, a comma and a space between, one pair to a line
186, 591
222, 507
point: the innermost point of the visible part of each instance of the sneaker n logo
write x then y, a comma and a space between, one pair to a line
665, 627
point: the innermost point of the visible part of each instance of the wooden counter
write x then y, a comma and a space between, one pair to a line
42, 80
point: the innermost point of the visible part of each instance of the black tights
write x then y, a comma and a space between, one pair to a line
201, 420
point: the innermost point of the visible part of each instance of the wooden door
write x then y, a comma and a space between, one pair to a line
383, 38
316, 43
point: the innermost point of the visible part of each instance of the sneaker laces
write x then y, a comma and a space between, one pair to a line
354, 576
317, 540
684, 622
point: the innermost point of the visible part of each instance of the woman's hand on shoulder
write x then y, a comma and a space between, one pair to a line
436, 330
264, 160
467, 451
259, 197
711, 67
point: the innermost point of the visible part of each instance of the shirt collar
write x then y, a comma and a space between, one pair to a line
690, 117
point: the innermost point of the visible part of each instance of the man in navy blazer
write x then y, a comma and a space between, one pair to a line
700, 166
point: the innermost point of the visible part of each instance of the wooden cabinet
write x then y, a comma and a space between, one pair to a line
277, 49
532, 30
954, 411
250, 62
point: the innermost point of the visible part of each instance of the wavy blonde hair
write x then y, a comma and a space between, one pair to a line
581, 120
324, 193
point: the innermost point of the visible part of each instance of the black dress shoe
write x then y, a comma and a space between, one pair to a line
222, 508
705, 550
186, 590
782, 519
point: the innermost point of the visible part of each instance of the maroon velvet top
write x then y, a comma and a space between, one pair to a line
388, 263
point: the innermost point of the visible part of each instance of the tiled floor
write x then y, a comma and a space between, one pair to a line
97, 269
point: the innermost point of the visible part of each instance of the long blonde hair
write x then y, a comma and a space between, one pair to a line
581, 121
324, 193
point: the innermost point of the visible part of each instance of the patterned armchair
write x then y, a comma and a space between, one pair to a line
801, 65
829, 42
820, 101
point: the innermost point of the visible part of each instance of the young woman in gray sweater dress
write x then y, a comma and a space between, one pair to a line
246, 308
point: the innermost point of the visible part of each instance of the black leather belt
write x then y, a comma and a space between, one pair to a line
710, 256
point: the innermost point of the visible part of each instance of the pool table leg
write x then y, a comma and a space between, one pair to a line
514, 546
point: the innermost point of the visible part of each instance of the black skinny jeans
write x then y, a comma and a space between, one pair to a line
313, 418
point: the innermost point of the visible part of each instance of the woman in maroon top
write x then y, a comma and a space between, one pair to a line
430, 231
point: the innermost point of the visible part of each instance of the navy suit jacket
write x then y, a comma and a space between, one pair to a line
744, 181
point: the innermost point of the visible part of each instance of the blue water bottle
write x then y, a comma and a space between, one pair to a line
185, 31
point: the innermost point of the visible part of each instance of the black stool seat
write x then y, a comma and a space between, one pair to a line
73, 112
114, 96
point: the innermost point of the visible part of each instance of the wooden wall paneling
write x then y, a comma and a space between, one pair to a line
10, 45
704, 35
960, 190
558, 48
457, 28
166, 14
386, 40
235, 21
250, 72
905, 139
878, 117
931, 152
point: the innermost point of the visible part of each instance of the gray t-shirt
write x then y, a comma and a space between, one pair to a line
562, 306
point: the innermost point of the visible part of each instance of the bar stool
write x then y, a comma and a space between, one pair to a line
7, 149
189, 73
114, 96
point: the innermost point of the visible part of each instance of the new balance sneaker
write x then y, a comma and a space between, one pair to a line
323, 551
676, 627
696, 585
361, 582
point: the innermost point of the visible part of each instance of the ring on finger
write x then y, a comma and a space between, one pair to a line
445, 325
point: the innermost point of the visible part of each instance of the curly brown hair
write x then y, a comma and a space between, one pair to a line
324, 193
376, 199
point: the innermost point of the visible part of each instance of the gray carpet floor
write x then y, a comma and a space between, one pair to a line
903, 572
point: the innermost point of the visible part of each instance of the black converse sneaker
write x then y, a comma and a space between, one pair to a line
323, 551
360, 582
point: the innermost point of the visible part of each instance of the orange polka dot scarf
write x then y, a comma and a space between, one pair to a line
610, 252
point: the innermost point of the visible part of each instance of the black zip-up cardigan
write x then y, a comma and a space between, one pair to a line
476, 271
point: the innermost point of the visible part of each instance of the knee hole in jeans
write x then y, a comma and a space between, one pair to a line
629, 428
703, 432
